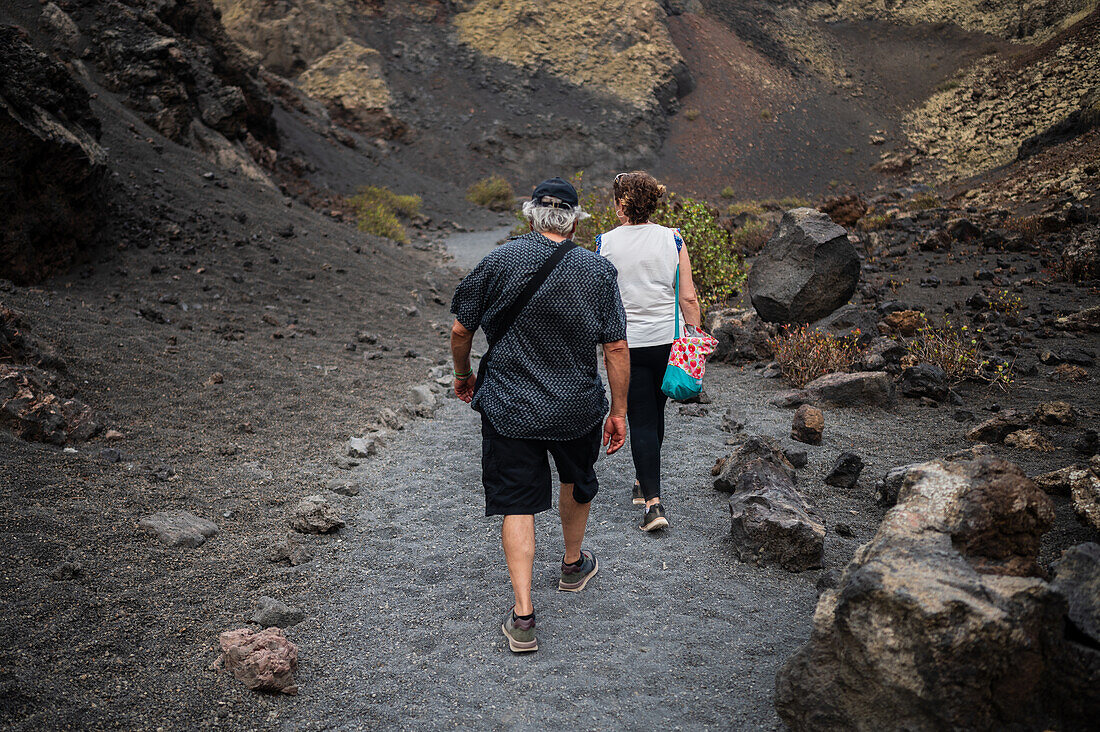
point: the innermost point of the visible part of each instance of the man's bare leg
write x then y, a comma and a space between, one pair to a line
574, 518
518, 539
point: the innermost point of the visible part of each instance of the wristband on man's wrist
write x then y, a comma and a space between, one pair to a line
466, 375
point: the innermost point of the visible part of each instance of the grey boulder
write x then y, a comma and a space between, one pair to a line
942, 620
807, 270
275, 613
315, 515
840, 389
771, 523
178, 528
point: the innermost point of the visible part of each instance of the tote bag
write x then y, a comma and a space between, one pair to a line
684, 373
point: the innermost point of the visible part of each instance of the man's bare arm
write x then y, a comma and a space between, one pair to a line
462, 341
616, 357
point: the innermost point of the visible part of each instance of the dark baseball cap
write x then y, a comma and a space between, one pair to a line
557, 193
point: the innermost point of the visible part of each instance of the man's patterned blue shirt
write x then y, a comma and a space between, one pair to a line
543, 379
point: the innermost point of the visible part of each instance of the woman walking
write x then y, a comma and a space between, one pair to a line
649, 258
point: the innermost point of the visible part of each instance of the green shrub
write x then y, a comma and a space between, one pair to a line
750, 237
727, 192
377, 209
959, 351
874, 222
493, 192
793, 202
692, 115
766, 115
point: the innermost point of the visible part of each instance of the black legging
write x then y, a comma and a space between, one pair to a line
645, 411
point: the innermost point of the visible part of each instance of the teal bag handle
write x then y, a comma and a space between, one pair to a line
676, 305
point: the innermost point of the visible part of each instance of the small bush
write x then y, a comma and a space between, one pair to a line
752, 208
766, 115
727, 192
692, 115
377, 209
924, 201
751, 237
793, 202
493, 192
958, 350
948, 85
874, 222
1005, 301
849, 151
803, 354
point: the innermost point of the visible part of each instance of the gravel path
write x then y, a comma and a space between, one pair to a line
673, 632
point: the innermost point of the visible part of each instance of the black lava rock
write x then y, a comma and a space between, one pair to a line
846, 471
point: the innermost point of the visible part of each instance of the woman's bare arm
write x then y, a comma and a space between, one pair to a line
689, 301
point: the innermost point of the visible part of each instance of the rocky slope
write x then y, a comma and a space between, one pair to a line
988, 112
1022, 19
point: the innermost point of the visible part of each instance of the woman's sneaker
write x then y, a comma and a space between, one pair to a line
575, 576
520, 633
639, 497
653, 518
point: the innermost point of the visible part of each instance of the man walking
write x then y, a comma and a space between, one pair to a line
545, 305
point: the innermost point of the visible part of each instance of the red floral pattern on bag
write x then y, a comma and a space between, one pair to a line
690, 353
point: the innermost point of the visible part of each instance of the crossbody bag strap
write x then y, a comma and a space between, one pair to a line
508, 318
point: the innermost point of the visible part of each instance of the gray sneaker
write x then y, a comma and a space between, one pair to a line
520, 633
573, 577
638, 497
654, 518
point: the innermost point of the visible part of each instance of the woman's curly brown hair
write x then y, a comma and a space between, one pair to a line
638, 193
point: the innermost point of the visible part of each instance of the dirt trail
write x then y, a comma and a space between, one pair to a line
672, 631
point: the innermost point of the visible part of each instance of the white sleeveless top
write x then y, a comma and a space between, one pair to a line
646, 256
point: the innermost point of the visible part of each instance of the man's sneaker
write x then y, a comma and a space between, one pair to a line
654, 518
575, 576
639, 497
520, 633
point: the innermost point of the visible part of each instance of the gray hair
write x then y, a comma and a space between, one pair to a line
555, 220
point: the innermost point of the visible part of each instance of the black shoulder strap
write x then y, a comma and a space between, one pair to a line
508, 317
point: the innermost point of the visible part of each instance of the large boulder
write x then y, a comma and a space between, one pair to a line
1085, 493
941, 621
743, 337
315, 515
806, 271
178, 528
756, 447
30, 406
841, 389
772, 523
1076, 683
52, 169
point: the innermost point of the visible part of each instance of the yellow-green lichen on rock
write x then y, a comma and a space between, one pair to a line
287, 34
619, 46
981, 123
1023, 19
350, 80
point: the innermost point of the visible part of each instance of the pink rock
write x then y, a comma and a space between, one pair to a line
262, 661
